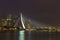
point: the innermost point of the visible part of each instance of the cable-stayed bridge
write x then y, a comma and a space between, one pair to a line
26, 24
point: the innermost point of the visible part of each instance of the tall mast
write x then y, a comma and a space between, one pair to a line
22, 21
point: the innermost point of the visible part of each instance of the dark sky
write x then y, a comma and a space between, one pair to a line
46, 11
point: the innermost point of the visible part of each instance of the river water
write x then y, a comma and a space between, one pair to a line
29, 35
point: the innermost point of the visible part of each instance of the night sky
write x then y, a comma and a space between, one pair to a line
46, 11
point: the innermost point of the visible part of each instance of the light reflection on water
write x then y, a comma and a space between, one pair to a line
28, 35
21, 35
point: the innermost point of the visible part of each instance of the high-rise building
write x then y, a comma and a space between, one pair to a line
9, 21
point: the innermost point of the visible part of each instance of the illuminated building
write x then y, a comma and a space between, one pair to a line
9, 21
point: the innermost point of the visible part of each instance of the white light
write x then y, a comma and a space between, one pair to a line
8, 19
22, 21
21, 35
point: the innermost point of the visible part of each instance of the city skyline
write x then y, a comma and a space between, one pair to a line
46, 11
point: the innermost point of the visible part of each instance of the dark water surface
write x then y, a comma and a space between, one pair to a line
28, 35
